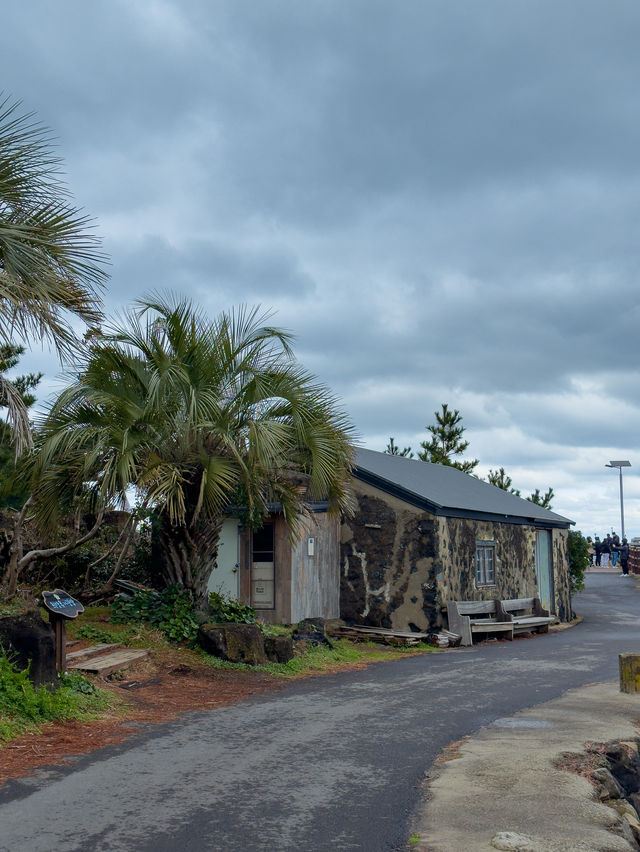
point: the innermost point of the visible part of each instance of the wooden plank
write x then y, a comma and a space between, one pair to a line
518, 603
110, 663
386, 631
85, 653
491, 627
454, 638
382, 634
476, 607
443, 639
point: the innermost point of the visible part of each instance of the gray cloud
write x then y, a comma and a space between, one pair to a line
439, 199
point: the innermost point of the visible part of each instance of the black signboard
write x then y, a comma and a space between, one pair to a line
61, 603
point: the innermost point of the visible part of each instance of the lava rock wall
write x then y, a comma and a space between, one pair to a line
400, 564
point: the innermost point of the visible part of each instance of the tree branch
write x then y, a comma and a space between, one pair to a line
104, 556
47, 553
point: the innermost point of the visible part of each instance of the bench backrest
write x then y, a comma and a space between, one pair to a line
518, 604
476, 607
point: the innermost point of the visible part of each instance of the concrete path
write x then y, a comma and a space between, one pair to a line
500, 789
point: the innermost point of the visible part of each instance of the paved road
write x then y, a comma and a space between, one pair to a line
331, 763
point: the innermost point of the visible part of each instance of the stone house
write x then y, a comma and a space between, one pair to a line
284, 582
425, 533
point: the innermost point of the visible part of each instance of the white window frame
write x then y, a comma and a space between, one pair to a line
485, 564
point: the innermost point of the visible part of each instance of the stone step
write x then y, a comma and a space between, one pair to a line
109, 663
94, 650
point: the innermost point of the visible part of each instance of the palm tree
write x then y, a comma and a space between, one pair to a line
50, 263
196, 416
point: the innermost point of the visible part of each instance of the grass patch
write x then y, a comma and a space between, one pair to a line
99, 635
321, 658
274, 629
95, 626
24, 707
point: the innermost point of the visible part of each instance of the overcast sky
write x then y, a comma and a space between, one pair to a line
440, 199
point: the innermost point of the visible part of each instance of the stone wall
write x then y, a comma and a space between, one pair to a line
399, 564
515, 562
387, 564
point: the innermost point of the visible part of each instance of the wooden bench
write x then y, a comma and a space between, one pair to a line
527, 615
467, 618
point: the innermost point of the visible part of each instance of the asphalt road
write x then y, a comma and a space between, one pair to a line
330, 763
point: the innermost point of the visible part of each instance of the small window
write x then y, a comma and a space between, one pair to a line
485, 563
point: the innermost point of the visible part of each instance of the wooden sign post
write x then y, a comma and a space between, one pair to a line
61, 606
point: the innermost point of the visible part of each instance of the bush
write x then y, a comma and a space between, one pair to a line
75, 682
228, 609
579, 559
23, 705
170, 610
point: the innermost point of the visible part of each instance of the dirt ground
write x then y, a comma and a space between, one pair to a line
154, 691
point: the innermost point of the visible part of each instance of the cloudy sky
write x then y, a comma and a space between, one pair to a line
440, 199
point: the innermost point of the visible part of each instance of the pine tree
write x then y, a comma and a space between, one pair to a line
446, 441
394, 450
543, 500
500, 479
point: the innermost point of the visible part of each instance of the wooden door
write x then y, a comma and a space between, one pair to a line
263, 568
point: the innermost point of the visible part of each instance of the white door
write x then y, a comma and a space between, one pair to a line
224, 577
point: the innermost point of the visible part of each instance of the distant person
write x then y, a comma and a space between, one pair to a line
615, 548
606, 551
597, 546
592, 551
624, 557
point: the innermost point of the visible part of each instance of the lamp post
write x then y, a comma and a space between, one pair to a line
620, 465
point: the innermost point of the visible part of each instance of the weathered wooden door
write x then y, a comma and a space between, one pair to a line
544, 569
263, 568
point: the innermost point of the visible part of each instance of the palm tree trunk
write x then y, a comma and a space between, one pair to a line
189, 556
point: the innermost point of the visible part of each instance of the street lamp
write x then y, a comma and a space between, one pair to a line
620, 465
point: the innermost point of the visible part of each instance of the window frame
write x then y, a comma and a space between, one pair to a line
485, 576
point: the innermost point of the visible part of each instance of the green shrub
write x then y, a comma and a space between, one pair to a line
228, 609
579, 559
75, 682
22, 705
170, 610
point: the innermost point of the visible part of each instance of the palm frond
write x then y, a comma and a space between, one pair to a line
51, 264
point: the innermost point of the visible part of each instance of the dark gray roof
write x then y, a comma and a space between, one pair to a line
446, 490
